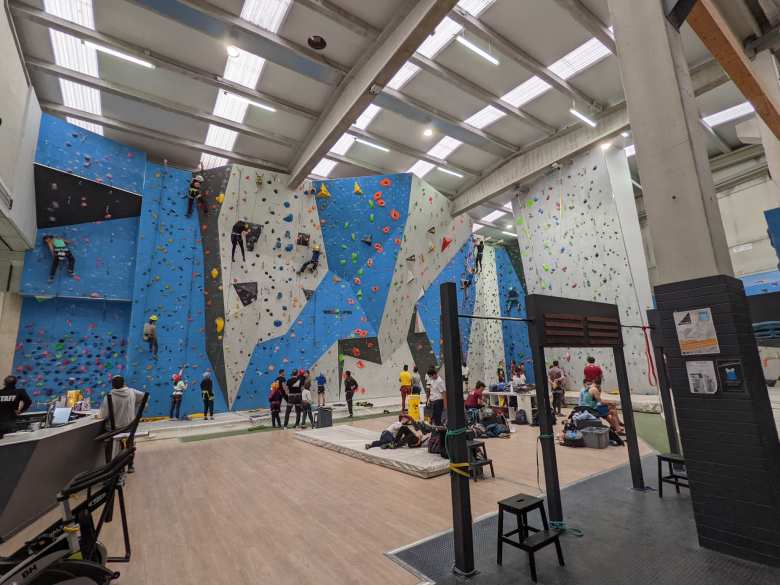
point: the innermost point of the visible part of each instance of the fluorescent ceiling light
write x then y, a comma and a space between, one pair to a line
420, 168
630, 150
444, 147
478, 50
493, 216
485, 117
267, 14
449, 172
324, 167
262, 106
582, 117
120, 55
209, 161
514, 235
734, 113
372, 145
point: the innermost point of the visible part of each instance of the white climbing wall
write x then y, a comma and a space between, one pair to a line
263, 198
573, 246
486, 347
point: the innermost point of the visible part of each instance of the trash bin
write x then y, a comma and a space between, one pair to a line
324, 417
596, 438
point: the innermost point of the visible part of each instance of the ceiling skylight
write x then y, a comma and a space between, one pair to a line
420, 168
368, 114
485, 117
244, 68
403, 75
324, 167
493, 216
739, 111
630, 150
444, 147
581, 58
209, 161
342, 144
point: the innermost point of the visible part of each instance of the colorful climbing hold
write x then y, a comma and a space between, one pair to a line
357, 190
323, 192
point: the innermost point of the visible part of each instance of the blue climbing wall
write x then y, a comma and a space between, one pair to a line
429, 306
169, 283
377, 215
331, 313
105, 261
74, 150
515, 334
62, 339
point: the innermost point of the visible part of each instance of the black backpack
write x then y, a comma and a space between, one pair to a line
521, 418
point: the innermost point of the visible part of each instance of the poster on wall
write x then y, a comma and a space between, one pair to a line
696, 332
702, 378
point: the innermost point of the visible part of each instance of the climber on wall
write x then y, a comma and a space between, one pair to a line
240, 228
465, 283
313, 262
194, 195
479, 247
59, 250
150, 334
513, 299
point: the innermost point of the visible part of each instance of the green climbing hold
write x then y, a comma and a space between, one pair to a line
371, 218
360, 272
360, 293
519, 221
342, 261
371, 203
59, 346
354, 237
529, 203
354, 257
546, 267
346, 224
341, 358
343, 246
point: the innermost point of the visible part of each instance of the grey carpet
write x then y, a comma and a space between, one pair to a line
630, 537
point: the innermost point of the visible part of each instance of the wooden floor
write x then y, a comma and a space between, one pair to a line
267, 508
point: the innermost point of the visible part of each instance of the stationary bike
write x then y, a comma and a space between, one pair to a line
68, 552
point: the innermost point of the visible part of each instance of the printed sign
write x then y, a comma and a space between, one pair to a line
696, 332
702, 378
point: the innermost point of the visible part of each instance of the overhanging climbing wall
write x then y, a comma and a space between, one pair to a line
572, 246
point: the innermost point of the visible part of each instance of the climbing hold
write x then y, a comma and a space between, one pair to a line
386, 182
445, 242
432, 229
288, 218
220, 198
220, 323
357, 190
381, 203
247, 292
371, 218
354, 257
371, 203
394, 215
367, 239
377, 196
411, 258
323, 192
214, 273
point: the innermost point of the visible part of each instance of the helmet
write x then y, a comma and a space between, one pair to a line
199, 178
153, 318
176, 377
316, 247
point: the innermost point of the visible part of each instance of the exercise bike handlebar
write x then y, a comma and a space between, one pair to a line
97, 476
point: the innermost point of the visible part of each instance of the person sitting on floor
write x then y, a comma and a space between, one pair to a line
590, 397
389, 434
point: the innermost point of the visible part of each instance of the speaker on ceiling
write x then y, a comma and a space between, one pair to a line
678, 10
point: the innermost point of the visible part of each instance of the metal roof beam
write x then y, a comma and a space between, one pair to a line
342, 17
149, 133
414, 21
590, 22
476, 91
156, 102
86, 34
505, 46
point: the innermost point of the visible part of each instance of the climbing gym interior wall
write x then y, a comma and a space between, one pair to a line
571, 237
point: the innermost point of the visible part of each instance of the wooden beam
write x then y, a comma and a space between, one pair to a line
713, 30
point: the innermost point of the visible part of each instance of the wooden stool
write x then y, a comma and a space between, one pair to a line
520, 505
673, 478
478, 458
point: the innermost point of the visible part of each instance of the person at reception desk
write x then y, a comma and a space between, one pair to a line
13, 402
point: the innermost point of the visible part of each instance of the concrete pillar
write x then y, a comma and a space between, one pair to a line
765, 66
682, 208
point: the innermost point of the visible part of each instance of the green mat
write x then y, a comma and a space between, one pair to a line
651, 428
264, 428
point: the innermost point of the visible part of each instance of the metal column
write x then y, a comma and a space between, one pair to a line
634, 458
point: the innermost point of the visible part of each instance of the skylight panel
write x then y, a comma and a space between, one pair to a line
404, 74
475, 7
739, 111
630, 150
444, 147
421, 168
209, 161
267, 14
230, 106
444, 33
493, 216
527, 91
324, 168
476, 227
485, 117
71, 53
244, 69
580, 59
343, 144
220, 137
96, 128
78, 11
368, 114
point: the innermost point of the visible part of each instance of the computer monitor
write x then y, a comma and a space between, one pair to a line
60, 417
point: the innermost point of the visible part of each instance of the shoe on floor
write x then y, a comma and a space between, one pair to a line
368, 446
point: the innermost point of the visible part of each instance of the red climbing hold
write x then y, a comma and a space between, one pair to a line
379, 248
377, 196
380, 202
394, 215
386, 182
355, 352
445, 242
386, 230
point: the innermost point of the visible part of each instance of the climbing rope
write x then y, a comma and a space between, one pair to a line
557, 525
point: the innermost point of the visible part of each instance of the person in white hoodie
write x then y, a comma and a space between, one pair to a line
124, 402
179, 386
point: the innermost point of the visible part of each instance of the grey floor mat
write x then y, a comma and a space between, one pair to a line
630, 538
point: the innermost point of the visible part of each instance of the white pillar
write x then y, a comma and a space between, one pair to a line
682, 208
765, 66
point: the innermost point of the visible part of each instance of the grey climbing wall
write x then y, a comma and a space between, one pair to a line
487, 339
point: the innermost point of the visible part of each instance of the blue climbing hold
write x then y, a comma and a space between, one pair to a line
288, 248
288, 218
277, 323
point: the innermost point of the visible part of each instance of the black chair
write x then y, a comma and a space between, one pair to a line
677, 480
478, 458
530, 538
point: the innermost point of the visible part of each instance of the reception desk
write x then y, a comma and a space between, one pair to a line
35, 465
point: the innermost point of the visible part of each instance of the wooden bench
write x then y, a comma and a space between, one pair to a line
478, 459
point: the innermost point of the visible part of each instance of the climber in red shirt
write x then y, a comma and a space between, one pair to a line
593, 372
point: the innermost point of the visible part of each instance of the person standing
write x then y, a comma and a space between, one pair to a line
240, 228
275, 402
294, 390
417, 384
464, 374
306, 407
593, 374
179, 386
480, 248
438, 397
500, 372
124, 404
150, 334
350, 386
207, 389
555, 378
320, 379
13, 402
405, 379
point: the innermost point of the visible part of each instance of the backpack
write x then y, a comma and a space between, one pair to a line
436, 444
573, 439
521, 418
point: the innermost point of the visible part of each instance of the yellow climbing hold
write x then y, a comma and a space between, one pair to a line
214, 273
357, 190
220, 323
220, 198
323, 191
